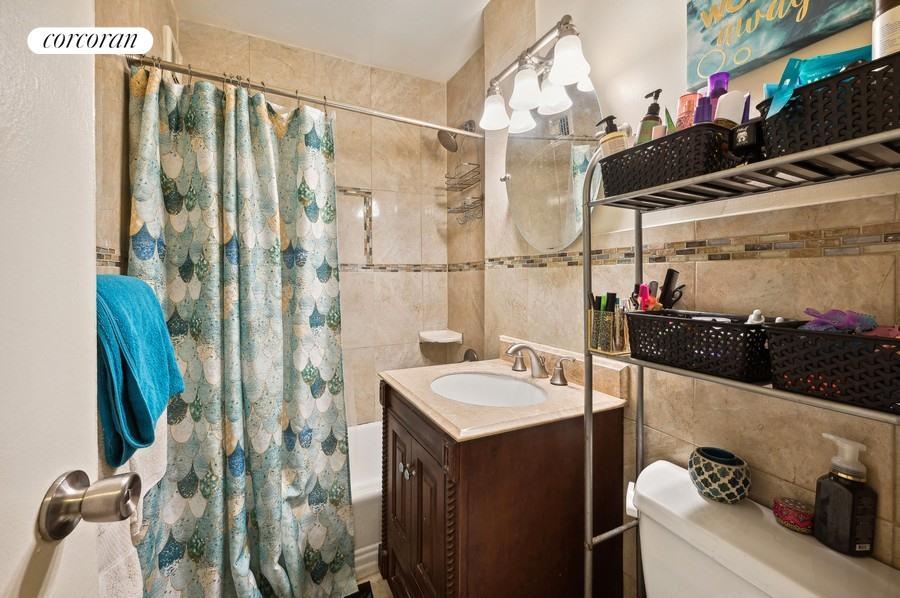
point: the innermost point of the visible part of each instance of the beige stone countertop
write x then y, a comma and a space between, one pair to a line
465, 422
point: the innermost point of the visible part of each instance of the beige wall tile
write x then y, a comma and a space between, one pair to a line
397, 93
656, 235
505, 306
883, 550
657, 446
343, 80
465, 242
408, 355
765, 488
434, 227
434, 300
282, 66
433, 158
555, 307
154, 15
359, 386
858, 212
351, 229
466, 310
394, 311
215, 49
396, 156
509, 28
465, 90
785, 287
896, 562
396, 228
353, 150
357, 292
785, 440
669, 404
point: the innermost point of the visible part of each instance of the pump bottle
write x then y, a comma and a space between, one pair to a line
613, 140
652, 119
845, 506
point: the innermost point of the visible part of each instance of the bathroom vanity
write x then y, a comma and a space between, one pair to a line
487, 500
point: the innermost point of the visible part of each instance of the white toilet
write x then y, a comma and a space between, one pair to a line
692, 546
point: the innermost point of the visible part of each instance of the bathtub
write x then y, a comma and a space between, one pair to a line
365, 491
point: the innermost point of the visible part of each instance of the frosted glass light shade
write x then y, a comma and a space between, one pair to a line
554, 99
521, 122
494, 116
526, 92
585, 84
569, 64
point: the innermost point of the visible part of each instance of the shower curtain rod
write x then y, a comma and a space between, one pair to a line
136, 59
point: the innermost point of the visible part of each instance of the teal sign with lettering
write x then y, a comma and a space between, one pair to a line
741, 35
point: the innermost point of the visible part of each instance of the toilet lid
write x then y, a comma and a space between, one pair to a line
745, 539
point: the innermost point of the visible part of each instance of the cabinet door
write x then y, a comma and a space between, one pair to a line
430, 533
400, 504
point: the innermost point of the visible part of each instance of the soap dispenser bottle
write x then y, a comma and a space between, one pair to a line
652, 119
613, 140
845, 506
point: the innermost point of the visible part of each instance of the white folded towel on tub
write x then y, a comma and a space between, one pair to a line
117, 558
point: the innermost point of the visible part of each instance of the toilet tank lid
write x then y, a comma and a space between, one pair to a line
745, 539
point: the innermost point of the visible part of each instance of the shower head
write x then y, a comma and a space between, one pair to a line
448, 140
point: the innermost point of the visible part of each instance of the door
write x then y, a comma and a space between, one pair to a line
430, 536
48, 412
400, 504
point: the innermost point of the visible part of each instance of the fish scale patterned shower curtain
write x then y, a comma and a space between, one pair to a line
233, 224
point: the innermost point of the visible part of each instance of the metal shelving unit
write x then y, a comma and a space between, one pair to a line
868, 155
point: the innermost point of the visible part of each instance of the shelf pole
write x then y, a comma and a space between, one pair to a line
588, 381
638, 394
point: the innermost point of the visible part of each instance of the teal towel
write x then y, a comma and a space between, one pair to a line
136, 368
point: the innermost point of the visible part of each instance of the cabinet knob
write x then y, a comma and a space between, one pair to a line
400, 467
406, 474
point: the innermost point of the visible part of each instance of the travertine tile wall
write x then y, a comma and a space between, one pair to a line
111, 123
465, 242
401, 166
777, 260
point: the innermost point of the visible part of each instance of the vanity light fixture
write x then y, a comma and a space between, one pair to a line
526, 91
521, 122
554, 98
585, 84
494, 116
569, 64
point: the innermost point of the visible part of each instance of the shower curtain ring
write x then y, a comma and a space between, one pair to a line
325, 105
297, 95
190, 75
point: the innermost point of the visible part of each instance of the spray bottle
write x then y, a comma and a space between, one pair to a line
845, 505
652, 119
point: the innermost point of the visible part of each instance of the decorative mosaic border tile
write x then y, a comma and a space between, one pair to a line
466, 266
393, 267
829, 242
108, 257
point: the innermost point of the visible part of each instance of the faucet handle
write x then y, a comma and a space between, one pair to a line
519, 363
559, 373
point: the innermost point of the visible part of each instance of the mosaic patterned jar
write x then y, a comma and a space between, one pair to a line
719, 474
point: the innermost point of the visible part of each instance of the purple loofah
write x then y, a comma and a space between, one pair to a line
835, 320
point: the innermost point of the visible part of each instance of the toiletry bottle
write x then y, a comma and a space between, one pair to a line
652, 118
687, 106
886, 28
613, 140
718, 86
845, 505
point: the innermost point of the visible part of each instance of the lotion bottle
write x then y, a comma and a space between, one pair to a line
845, 506
886, 28
652, 119
613, 140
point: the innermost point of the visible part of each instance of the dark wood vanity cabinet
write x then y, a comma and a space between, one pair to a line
495, 516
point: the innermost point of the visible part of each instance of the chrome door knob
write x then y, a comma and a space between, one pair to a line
72, 498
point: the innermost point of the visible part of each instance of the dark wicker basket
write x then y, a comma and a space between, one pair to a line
860, 101
732, 350
854, 369
695, 151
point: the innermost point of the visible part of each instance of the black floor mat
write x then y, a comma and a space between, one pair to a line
364, 590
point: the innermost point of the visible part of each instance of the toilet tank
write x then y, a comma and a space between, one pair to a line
692, 546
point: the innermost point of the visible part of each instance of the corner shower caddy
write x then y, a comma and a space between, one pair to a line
873, 154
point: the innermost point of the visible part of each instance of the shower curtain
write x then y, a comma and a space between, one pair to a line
233, 224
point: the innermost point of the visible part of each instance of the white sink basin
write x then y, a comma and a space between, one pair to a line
489, 390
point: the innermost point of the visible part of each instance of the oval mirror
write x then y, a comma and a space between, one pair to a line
546, 168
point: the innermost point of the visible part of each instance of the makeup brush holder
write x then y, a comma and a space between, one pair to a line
608, 332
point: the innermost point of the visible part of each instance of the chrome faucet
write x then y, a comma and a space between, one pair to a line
538, 369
